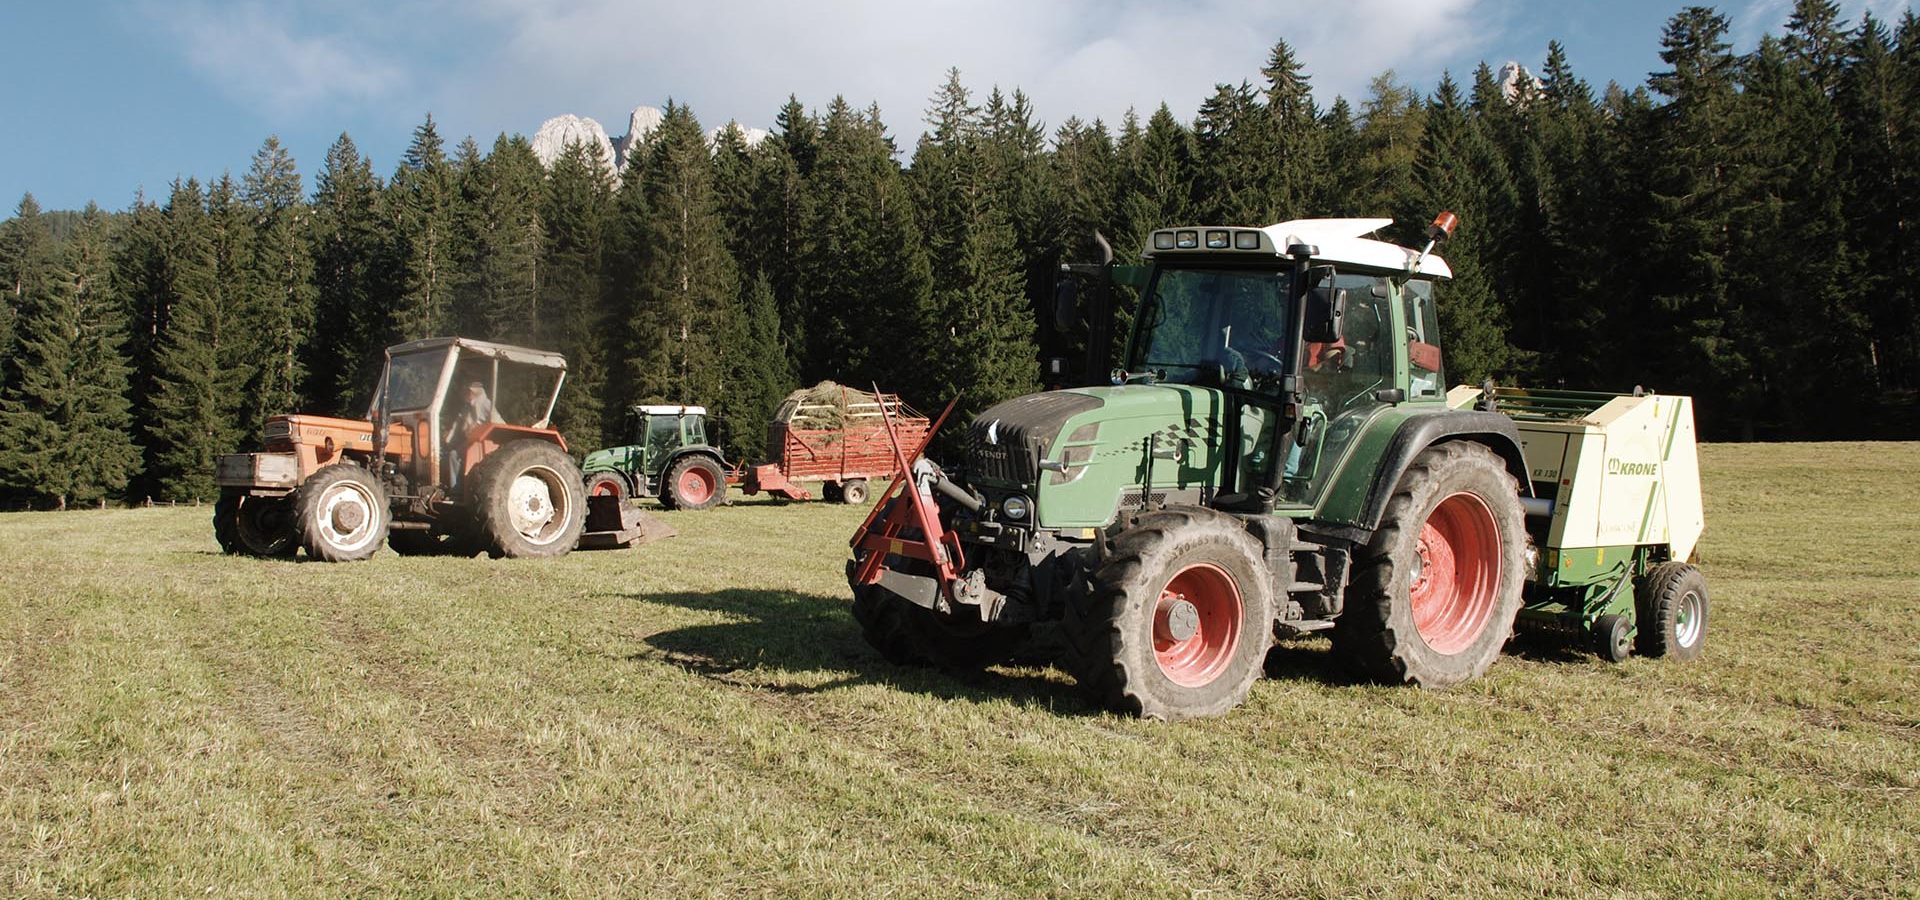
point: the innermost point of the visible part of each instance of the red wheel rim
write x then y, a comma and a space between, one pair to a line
696, 485
604, 487
1196, 625
1457, 573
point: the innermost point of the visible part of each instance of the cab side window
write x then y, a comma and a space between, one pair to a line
1425, 376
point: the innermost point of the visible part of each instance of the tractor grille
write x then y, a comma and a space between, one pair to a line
1007, 441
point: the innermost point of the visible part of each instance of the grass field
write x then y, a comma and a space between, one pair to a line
701, 717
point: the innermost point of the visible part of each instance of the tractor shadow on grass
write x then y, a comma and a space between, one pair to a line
782, 639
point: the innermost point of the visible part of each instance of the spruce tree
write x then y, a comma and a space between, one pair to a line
976, 330
501, 235
1296, 141
27, 264
192, 414
1450, 173
1877, 107
758, 374
862, 263
280, 277
573, 310
1233, 156
424, 197
1339, 189
1699, 329
354, 281
66, 435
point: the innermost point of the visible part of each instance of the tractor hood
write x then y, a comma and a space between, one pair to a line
1095, 443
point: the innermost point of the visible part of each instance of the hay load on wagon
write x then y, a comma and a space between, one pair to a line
837, 436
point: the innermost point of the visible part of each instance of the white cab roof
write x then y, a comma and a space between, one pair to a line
1340, 241
668, 409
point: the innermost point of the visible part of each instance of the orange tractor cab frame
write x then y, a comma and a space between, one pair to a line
457, 455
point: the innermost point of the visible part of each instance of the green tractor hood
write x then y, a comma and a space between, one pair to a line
1080, 452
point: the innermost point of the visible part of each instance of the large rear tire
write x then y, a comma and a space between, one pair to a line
528, 501
1433, 596
1672, 601
1179, 619
694, 482
254, 526
341, 514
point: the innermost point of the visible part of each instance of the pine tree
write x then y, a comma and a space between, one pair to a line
976, 330
1877, 108
280, 274
1695, 192
65, 430
501, 235
1390, 138
1450, 172
1156, 176
1233, 154
1298, 160
1339, 189
26, 269
192, 414
862, 263
573, 309
758, 375
354, 275
423, 196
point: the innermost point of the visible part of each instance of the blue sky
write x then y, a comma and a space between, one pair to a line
106, 97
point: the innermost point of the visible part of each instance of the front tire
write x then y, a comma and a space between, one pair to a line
1179, 619
254, 526
1433, 596
694, 482
341, 514
911, 635
1672, 602
528, 501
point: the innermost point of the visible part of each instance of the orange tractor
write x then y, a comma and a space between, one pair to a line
458, 455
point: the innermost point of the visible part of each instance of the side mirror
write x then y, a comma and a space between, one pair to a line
1066, 304
1326, 312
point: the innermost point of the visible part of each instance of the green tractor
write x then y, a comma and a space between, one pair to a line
667, 456
1277, 457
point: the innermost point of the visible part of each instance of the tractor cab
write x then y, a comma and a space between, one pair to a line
446, 403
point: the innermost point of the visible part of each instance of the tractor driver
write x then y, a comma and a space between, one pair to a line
476, 411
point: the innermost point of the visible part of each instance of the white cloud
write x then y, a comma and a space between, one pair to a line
483, 66
261, 56
1760, 17
1073, 57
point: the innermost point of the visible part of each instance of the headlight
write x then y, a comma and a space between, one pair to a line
1015, 507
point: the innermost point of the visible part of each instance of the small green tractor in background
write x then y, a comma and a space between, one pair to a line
1278, 457
667, 456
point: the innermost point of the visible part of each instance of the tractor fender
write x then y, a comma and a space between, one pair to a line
1423, 430
706, 450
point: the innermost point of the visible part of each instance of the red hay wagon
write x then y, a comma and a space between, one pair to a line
836, 436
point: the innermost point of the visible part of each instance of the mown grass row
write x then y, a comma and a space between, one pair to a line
700, 717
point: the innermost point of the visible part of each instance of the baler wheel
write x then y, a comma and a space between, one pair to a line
694, 482
1433, 596
1179, 620
1611, 633
341, 513
1672, 601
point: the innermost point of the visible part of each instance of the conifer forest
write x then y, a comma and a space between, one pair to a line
1741, 228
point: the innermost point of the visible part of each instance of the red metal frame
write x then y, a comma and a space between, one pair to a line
881, 535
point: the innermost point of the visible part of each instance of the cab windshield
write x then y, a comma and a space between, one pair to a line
412, 379
1219, 327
